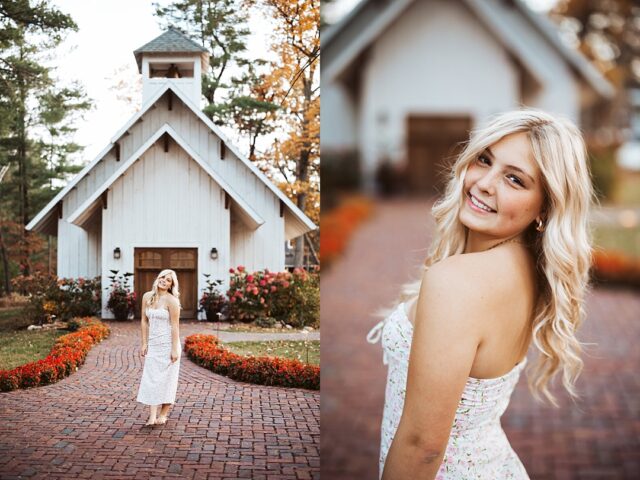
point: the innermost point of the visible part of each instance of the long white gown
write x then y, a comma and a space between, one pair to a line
159, 382
478, 447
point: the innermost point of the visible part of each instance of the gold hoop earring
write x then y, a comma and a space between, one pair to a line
540, 226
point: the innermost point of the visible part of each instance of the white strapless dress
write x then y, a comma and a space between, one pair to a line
159, 382
478, 447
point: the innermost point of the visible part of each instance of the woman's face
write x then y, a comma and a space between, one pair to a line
165, 282
506, 180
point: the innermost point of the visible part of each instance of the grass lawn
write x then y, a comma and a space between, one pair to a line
18, 345
250, 327
627, 188
625, 240
294, 349
11, 319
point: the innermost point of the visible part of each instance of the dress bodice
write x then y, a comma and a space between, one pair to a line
159, 325
477, 440
157, 312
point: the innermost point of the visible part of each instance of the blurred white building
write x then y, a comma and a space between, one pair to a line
404, 81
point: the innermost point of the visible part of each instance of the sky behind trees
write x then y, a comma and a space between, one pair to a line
108, 33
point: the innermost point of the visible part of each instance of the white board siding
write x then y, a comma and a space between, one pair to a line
78, 252
261, 248
337, 119
437, 59
138, 134
198, 136
162, 214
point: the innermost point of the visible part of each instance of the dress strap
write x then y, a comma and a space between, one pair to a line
375, 333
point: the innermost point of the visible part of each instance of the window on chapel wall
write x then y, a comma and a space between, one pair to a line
149, 260
182, 260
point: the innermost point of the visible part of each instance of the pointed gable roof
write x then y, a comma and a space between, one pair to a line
250, 217
345, 41
171, 41
297, 222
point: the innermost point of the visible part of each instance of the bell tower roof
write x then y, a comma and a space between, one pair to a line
173, 58
171, 42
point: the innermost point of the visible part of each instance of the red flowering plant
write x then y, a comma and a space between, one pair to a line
206, 351
122, 301
247, 294
615, 268
213, 301
339, 224
296, 300
68, 353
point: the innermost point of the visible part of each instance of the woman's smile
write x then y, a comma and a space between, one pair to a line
477, 205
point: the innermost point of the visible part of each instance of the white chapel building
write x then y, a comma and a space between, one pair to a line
404, 81
170, 191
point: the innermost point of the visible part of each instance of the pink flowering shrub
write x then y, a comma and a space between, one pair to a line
289, 297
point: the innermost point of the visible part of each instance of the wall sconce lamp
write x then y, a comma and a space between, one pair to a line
214, 253
116, 253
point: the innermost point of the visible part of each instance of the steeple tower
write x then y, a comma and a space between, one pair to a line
175, 58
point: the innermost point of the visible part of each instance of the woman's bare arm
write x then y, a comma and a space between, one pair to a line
144, 321
174, 313
144, 326
447, 334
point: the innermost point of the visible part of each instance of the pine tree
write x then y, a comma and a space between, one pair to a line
31, 104
218, 25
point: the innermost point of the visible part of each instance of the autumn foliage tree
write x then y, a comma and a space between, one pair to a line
295, 77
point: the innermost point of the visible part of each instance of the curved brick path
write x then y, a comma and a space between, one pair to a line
599, 439
89, 426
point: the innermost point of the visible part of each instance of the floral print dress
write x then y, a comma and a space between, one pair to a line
478, 447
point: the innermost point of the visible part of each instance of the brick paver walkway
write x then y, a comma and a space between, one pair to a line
89, 425
597, 438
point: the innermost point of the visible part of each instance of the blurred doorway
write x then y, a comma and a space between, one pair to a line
434, 141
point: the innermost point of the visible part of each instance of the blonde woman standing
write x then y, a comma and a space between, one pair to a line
508, 267
160, 346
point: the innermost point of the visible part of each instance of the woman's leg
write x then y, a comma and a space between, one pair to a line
164, 410
153, 409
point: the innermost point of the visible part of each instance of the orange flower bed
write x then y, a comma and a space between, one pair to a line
67, 354
338, 225
615, 267
206, 351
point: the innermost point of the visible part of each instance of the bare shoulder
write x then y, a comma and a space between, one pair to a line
172, 301
481, 275
450, 295
146, 296
466, 287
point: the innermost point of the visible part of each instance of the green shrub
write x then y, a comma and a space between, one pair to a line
266, 322
213, 300
53, 298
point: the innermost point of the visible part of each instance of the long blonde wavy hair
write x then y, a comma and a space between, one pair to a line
563, 250
174, 289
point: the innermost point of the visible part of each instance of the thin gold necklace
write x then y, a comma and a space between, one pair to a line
506, 241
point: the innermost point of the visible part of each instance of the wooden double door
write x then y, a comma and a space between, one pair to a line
149, 262
434, 141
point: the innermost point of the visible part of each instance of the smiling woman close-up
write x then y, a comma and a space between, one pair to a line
512, 224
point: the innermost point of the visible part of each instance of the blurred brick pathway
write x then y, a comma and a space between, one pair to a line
89, 425
597, 439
